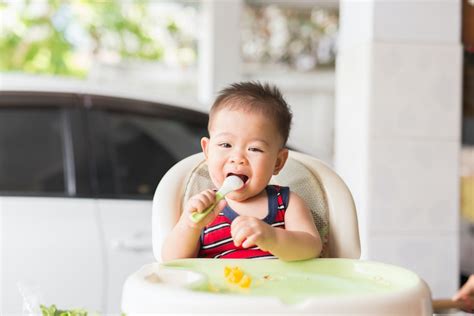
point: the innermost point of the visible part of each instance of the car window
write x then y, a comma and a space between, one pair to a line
133, 151
31, 151
82, 172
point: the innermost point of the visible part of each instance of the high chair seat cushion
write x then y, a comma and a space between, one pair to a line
295, 175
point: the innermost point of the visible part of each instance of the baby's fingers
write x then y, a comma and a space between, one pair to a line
238, 223
240, 235
202, 201
212, 215
197, 206
466, 290
251, 240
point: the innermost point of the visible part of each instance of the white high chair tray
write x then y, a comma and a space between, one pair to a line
319, 287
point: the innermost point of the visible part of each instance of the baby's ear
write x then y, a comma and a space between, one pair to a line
205, 145
280, 161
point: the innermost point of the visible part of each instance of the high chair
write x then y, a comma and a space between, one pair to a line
179, 287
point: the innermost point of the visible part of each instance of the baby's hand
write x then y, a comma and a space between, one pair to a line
466, 295
249, 231
199, 203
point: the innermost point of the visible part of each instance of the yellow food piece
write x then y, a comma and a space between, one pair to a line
245, 281
235, 275
227, 271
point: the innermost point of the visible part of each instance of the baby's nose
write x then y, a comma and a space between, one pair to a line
238, 159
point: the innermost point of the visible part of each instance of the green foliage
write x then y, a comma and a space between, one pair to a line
53, 311
62, 37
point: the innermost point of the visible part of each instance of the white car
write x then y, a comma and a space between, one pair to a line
77, 175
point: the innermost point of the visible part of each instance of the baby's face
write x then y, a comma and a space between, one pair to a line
245, 144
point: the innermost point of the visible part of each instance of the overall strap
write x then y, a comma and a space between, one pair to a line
278, 198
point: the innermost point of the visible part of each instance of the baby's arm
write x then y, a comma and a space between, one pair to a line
183, 241
298, 241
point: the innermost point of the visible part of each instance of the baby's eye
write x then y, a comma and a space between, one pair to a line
225, 145
255, 149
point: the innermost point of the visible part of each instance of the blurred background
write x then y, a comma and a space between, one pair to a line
382, 91
165, 48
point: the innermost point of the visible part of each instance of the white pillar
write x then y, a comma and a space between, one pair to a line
398, 109
219, 47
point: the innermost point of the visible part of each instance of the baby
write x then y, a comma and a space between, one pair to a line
249, 124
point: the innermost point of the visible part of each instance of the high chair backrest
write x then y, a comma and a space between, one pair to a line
320, 187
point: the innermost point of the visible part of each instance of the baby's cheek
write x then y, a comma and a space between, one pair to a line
216, 177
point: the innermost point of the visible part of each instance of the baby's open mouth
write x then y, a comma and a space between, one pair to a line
241, 176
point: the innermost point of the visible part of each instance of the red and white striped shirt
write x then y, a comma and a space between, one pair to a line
216, 240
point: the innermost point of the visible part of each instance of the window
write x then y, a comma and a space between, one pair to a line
293, 35
133, 151
31, 151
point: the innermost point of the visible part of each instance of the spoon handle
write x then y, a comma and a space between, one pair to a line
196, 217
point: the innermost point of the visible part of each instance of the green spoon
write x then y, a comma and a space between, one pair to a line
231, 183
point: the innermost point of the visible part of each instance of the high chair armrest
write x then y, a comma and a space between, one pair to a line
344, 230
168, 199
